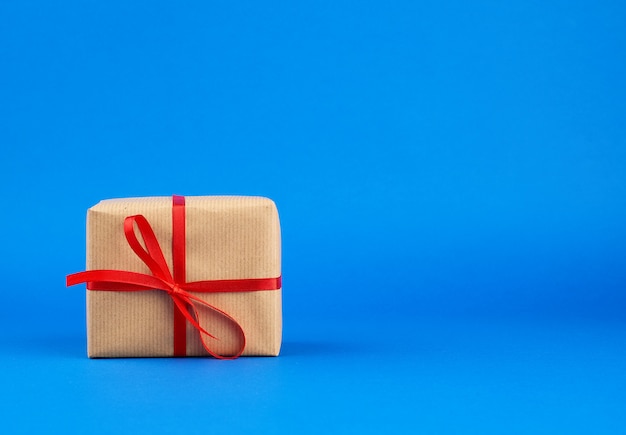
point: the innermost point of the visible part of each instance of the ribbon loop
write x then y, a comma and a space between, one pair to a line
152, 255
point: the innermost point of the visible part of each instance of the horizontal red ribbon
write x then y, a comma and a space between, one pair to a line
186, 304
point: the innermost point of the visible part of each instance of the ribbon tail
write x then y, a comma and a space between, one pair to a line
182, 307
146, 282
191, 301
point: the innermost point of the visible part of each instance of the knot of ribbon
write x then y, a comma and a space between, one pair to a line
174, 288
185, 303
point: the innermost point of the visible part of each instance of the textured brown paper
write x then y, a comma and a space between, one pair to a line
227, 237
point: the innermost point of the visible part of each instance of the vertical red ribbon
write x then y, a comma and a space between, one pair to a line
179, 266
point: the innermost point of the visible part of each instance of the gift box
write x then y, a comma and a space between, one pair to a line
183, 276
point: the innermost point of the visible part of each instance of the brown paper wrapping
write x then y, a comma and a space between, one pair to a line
227, 237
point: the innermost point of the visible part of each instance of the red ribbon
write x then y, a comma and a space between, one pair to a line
175, 285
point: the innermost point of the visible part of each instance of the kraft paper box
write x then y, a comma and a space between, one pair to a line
226, 238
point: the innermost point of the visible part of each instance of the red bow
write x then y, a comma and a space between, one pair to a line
175, 286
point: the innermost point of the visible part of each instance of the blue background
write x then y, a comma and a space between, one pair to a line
457, 170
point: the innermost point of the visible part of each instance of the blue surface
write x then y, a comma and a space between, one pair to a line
451, 179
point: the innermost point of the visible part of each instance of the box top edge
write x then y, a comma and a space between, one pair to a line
166, 200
